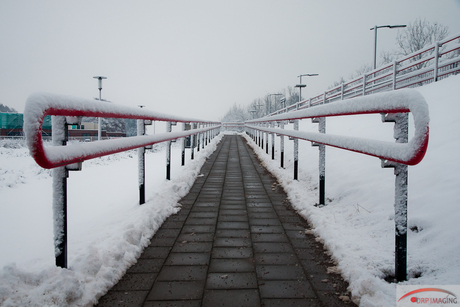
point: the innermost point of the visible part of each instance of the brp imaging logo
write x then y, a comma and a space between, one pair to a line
427, 295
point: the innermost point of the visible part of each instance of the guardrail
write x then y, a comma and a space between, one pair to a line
394, 107
430, 64
62, 158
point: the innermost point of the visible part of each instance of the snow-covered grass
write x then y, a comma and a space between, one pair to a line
357, 225
107, 229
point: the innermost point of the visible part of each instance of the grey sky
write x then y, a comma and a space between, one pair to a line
194, 58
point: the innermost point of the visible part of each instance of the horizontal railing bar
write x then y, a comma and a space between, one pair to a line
401, 101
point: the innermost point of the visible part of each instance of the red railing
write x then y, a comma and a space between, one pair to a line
62, 158
394, 107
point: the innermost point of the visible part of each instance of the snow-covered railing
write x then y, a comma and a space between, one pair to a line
394, 107
69, 111
430, 64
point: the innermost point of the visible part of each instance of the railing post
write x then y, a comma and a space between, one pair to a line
364, 84
266, 138
436, 62
168, 153
183, 147
322, 163
198, 136
141, 163
342, 89
272, 125
60, 174
395, 72
192, 142
401, 129
296, 151
282, 146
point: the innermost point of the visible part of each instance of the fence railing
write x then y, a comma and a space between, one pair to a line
430, 64
394, 107
62, 159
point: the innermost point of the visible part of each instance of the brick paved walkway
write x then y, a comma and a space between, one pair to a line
236, 242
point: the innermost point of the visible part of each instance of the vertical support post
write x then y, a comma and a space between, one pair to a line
203, 136
401, 130
364, 84
198, 136
436, 62
192, 142
60, 175
168, 153
342, 90
322, 163
141, 163
266, 138
282, 146
395, 72
296, 152
183, 147
272, 125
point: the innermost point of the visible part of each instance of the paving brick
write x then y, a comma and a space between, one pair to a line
156, 252
136, 282
270, 237
198, 229
264, 222
123, 299
232, 225
280, 272
232, 265
233, 218
231, 281
276, 259
196, 237
232, 252
182, 273
187, 259
146, 266
233, 233
286, 289
177, 290
192, 247
188, 303
292, 303
267, 229
232, 242
231, 298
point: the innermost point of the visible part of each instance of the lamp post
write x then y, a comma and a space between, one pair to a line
296, 126
270, 108
375, 38
99, 83
300, 85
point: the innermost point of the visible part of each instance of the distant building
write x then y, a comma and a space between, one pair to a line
11, 125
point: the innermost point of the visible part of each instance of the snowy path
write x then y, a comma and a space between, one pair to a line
235, 242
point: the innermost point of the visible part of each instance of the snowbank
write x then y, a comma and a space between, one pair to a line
107, 229
357, 225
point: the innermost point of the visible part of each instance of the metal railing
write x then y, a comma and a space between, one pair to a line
394, 107
62, 158
430, 64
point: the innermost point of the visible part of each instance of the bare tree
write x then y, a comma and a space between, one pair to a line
419, 34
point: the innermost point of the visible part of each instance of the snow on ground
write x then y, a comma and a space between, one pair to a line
107, 229
357, 225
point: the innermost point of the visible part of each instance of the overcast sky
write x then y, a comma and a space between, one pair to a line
194, 58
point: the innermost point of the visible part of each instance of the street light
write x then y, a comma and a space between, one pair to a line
375, 39
99, 83
270, 109
303, 85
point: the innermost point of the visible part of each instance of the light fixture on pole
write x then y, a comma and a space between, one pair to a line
375, 39
270, 108
99, 83
300, 85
